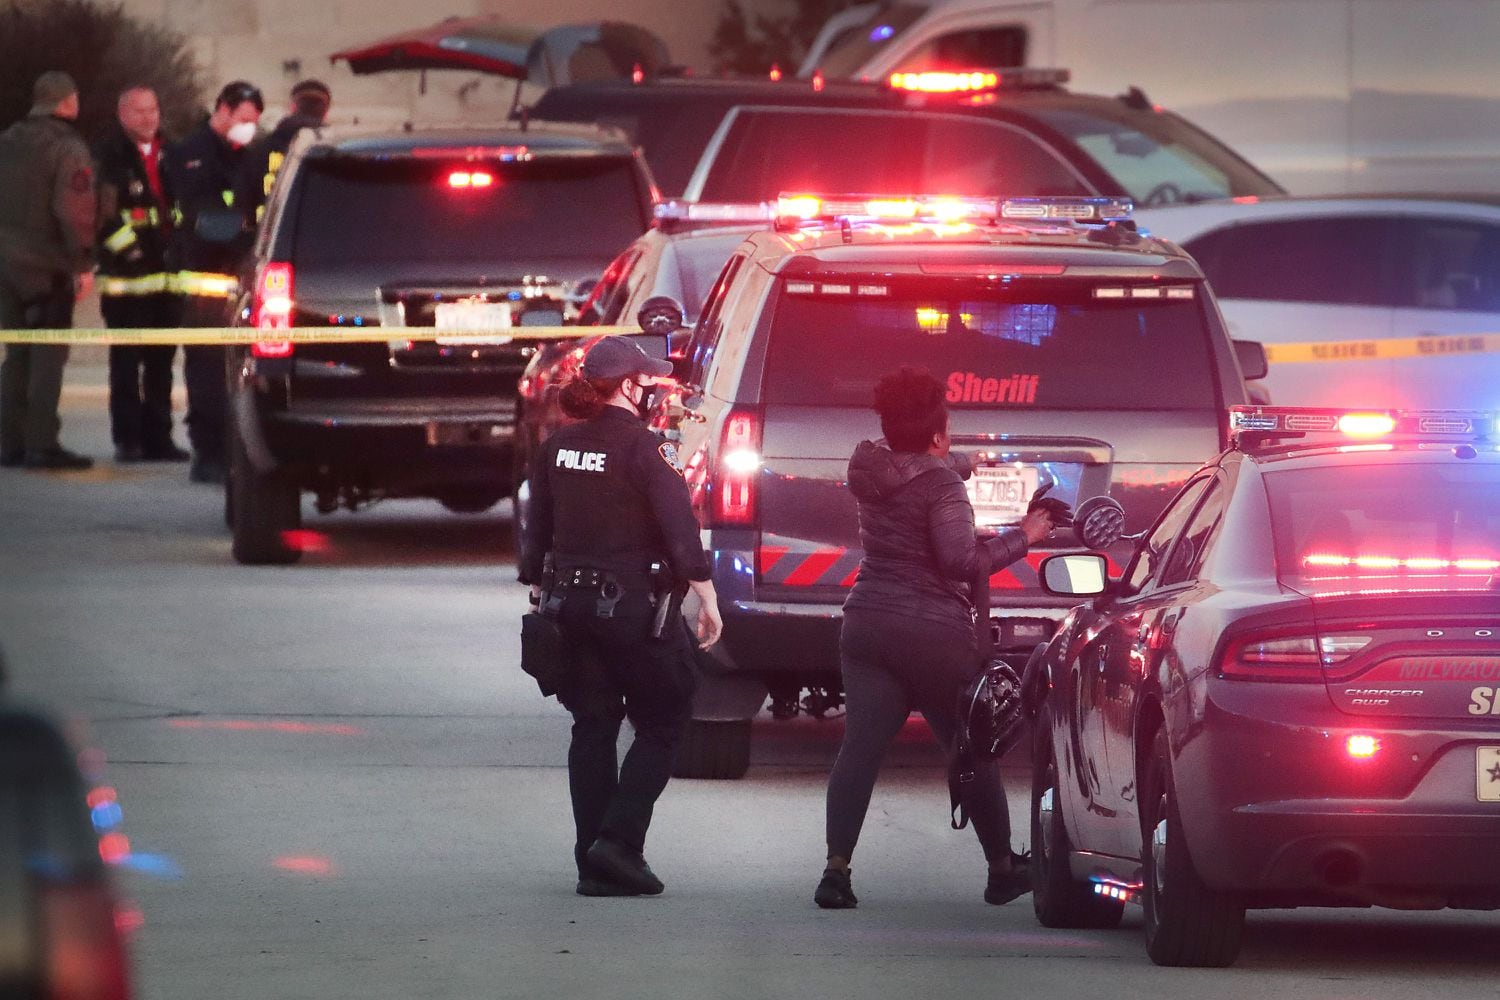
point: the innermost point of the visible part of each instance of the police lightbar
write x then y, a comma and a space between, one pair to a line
675, 210
796, 208
1252, 424
977, 80
1097, 210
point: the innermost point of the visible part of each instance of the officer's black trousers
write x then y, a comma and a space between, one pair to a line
31, 376
203, 369
140, 375
619, 672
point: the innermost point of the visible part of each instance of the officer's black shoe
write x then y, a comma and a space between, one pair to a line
12, 459
127, 453
836, 891
168, 452
624, 866
1001, 889
206, 470
58, 460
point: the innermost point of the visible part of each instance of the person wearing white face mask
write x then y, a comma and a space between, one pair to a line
202, 169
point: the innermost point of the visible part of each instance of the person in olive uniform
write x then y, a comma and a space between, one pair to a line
201, 169
135, 290
608, 502
47, 214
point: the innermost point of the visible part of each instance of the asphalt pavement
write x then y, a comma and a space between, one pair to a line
336, 782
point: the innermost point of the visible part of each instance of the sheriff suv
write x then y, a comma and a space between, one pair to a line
1076, 353
432, 240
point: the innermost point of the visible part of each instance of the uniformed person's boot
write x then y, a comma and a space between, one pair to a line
624, 866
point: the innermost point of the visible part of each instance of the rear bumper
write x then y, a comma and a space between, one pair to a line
1277, 808
402, 443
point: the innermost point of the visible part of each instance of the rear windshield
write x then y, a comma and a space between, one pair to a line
1034, 345
1159, 159
880, 153
355, 210
1376, 528
670, 132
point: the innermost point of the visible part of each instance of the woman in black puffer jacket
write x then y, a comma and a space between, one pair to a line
908, 635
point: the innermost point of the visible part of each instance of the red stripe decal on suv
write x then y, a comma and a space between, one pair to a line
813, 567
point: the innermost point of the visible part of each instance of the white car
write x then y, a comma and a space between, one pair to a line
1359, 300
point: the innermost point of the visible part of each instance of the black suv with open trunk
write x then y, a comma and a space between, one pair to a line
442, 239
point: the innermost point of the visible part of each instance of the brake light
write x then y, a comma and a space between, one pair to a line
1362, 747
85, 958
272, 308
1294, 657
734, 485
468, 179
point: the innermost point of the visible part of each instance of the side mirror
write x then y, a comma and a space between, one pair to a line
219, 225
1083, 574
1251, 355
660, 314
1099, 522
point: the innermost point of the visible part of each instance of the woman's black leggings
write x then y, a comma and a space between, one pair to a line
892, 666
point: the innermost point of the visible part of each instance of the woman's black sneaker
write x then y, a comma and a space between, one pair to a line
836, 891
624, 867
1001, 889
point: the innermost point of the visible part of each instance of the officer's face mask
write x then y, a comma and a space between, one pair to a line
241, 133
643, 397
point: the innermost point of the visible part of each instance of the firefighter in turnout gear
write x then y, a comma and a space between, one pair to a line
311, 100
612, 546
201, 170
135, 288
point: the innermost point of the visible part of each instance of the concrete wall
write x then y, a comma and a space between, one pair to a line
273, 43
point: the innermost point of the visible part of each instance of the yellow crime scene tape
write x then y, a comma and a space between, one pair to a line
1430, 346
310, 335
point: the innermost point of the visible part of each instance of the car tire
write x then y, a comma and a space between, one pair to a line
1187, 923
714, 749
262, 508
1058, 899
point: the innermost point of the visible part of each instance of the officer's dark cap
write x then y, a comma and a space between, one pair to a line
312, 97
619, 357
237, 93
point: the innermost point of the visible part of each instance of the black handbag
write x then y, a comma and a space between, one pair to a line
544, 654
991, 716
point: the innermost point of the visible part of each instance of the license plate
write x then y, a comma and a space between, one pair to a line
472, 316
1000, 493
1487, 773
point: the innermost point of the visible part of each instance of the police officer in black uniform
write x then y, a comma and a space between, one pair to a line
311, 100
611, 536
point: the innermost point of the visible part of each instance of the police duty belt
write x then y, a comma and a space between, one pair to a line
194, 336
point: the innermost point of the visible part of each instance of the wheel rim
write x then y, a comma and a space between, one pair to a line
1045, 804
1159, 851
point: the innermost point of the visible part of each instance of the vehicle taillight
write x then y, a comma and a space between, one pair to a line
465, 179
1296, 657
85, 958
734, 481
272, 308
